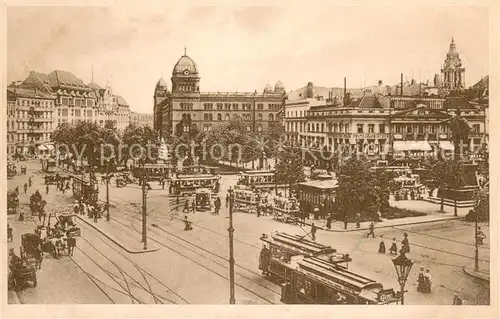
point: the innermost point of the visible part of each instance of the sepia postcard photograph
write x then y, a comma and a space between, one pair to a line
233, 159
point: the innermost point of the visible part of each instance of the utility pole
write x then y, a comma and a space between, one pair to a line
144, 196
107, 191
231, 252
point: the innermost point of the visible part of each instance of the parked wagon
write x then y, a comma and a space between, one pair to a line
286, 209
31, 249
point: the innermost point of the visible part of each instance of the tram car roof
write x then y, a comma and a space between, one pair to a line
334, 275
298, 245
258, 173
195, 176
80, 178
345, 281
325, 184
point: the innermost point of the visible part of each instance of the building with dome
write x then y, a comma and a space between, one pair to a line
453, 74
185, 106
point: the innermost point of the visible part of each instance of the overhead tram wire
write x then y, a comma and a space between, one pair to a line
207, 268
145, 271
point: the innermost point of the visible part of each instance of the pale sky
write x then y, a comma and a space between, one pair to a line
241, 48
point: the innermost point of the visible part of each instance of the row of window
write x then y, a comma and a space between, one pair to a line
25, 137
208, 127
66, 101
235, 106
36, 103
26, 114
246, 117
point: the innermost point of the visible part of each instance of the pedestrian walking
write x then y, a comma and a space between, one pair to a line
372, 230
10, 236
329, 221
94, 213
29, 181
313, 232
21, 215
63, 189
358, 223
187, 224
228, 197
186, 207
193, 206
405, 243
394, 248
25, 187
381, 247
177, 203
71, 245
47, 189
316, 212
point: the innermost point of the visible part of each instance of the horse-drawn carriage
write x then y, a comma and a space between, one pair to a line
11, 170
12, 202
66, 224
203, 198
286, 209
122, 179
23, 270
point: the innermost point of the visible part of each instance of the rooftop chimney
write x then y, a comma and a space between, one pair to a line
380, 83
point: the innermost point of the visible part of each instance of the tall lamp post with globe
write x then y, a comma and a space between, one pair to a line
403, 266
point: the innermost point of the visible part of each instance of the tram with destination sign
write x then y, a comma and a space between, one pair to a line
260, 179
186, 185
312, 273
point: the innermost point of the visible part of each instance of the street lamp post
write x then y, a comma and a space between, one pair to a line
231, 252
107, 191
403, 266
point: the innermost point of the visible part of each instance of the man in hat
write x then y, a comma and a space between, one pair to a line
187, 224
313, 232
10, 235
372, 230
381, 247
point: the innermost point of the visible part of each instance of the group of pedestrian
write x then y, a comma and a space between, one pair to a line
393, 250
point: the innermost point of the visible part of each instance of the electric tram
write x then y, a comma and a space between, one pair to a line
245, 199
186, 185
203, 198
154, 172
84, 190
312, 273
260, 179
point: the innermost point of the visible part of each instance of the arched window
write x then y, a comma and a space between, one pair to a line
259, 128
259, 117
210, 117
271, 117
205, 117
227, 117
219, 117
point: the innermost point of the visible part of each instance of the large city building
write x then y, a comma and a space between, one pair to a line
185, 106
37, 105
30, 120
409, 117
142, 119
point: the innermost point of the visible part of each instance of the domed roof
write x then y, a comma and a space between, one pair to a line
185, 63
161, 83
268, 88
279, 86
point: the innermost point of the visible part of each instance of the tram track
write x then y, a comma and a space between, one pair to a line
125, 281
205, 259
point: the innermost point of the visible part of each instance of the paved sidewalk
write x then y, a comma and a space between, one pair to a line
124, 237
482, 274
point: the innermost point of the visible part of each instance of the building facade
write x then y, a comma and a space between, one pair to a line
185, 106
142, 119
30, 120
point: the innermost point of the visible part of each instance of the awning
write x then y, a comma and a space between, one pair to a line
405, 146
446, 145
42, 147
